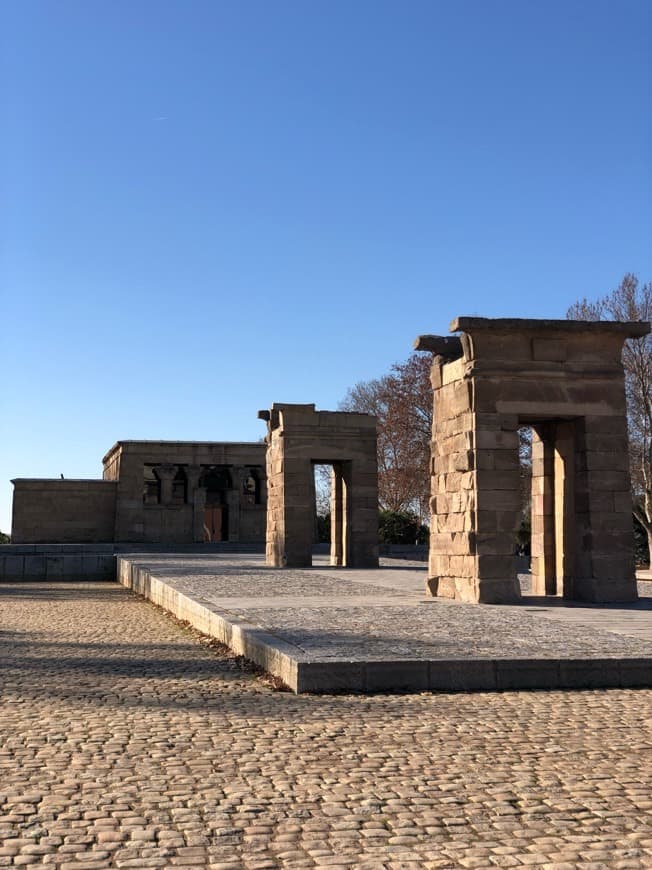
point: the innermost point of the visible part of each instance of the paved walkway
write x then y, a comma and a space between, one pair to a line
127, 741
324, 629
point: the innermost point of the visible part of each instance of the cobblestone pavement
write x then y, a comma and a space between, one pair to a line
127, 740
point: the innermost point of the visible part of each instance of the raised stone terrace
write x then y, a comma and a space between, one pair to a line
324, 629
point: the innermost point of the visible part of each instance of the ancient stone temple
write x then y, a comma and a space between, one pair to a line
565, 380
171, 492
298, 438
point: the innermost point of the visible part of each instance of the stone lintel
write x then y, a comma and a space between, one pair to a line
628, 329
305, 419
144, 444
448, 346
294, 406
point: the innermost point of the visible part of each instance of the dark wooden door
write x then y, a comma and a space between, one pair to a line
215, 522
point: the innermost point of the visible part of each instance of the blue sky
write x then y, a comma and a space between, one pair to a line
212, 206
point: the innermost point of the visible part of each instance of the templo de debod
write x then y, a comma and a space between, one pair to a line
563, 379
171, 492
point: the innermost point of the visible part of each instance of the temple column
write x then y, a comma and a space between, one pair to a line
166, 474
233, 502
337, 516
196, 498
564, 495
198, 512
543, 510
193, 473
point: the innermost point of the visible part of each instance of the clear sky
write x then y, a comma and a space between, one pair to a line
211, 206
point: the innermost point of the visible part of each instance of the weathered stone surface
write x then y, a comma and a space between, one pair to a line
75, 511
448, 346
298, 437
517, 325
564, 379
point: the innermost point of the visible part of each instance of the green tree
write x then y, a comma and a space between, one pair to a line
401, 527
632, 301
4, 539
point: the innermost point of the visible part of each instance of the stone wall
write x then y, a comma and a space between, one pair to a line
50, 562
63, 511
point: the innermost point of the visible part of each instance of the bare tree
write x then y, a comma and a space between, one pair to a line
322, 489
402, 402
632, 301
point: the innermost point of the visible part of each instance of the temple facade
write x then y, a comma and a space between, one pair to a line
169, 492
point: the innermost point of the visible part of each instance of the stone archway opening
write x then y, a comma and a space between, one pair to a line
555, 515
323, 473
546, 540
332, 482
217, 483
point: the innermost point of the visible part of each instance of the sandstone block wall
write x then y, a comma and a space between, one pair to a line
565, 380
52, 562
63, 511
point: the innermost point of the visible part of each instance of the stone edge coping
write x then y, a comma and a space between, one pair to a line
186, 550
243, 638
65, 480
22, 563
146, 443
632, 328
55, 549
282, 658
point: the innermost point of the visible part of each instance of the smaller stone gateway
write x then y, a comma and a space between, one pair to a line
565, 380
298, 438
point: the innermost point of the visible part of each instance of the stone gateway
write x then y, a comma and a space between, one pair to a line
298, 438
565, 380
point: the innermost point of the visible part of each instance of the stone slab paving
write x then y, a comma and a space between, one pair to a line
327, 629
127, 740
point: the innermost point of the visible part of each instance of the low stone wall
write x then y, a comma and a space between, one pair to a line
57, 562
65, 511
92, 561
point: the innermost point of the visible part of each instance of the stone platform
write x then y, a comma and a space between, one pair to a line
324, 629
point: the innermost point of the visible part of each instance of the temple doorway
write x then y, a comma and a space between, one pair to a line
216, 480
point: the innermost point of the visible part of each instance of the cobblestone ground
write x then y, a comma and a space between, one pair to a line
128, 741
